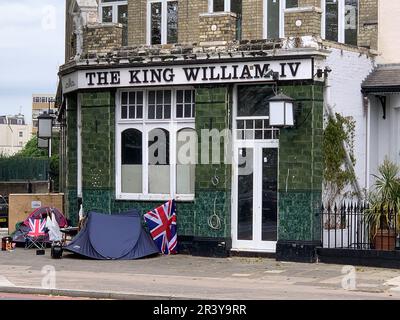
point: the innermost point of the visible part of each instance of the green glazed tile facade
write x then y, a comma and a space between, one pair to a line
300, 166
71, 160
213, 184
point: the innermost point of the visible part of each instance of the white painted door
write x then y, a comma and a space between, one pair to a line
255, 196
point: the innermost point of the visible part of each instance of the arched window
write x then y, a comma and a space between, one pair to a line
159, 161
157, 144
132, 161
186, 158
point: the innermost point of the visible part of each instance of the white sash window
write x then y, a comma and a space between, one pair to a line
115, 11
162, 22
340, 20
274, 17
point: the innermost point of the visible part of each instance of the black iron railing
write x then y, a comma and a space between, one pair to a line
357, 226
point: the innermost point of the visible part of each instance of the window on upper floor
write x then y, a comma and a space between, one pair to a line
115, 11
162, 21
274, 17
225, 6
340, 20
234, 6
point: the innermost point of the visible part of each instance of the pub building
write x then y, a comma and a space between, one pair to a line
218, 104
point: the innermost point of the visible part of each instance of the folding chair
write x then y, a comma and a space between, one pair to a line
36, 237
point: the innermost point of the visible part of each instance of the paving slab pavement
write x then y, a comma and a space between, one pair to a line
188, 277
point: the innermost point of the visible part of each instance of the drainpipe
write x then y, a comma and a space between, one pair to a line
329, 109
367, 105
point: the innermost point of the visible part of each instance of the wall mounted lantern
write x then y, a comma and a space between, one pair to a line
281, 111
42, 143
45, 126
45, 130
44, 134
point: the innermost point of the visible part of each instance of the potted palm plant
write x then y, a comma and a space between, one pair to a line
383, 213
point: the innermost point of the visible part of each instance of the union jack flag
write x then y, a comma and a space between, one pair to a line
37, 227
162, 225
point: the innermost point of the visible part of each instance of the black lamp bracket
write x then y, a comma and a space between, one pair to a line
383, 99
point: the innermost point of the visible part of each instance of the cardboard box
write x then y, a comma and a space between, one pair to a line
21, 205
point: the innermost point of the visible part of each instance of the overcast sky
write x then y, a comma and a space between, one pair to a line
31, 50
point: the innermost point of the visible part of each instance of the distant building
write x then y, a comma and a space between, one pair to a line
14, 134
42, 103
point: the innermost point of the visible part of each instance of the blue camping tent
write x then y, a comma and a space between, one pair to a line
113, 237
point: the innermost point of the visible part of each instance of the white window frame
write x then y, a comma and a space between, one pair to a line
341, 20
282, 8
115, 7
173, 126
255, 245
164, 20
227, 6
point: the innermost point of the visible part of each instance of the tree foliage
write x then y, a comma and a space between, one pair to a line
31, 150
384, 199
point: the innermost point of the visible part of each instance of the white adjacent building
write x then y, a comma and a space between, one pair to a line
14, 134
382, 89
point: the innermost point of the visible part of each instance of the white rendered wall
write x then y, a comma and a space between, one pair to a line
10, 141
389, 25
385, 133
349, 69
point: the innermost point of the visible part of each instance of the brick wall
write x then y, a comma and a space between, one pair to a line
70, 40
252, 22
189, 18
218, 27
193, 27
310, 22
310, 3
252, 19
368, 29
137, 22
102, 38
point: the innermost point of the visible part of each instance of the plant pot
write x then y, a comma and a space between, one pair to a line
385, 240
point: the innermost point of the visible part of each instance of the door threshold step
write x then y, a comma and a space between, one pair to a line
252, 254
